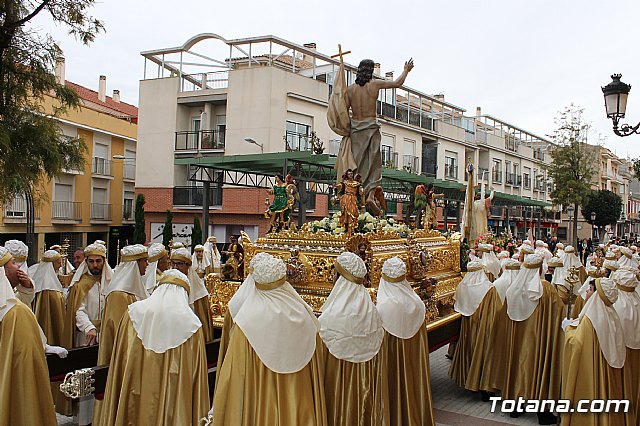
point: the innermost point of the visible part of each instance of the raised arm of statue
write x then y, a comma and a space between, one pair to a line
387, 84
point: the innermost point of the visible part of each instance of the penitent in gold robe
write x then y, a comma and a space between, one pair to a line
586, 375
50, 310
203, 311
248, 393
530, 363
471, 352
577, 306
114, 309
632, 387
357, 393
76, 295
24, 377
408, 379
148, 388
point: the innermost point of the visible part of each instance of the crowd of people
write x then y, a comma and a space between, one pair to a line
537, 325
542, 326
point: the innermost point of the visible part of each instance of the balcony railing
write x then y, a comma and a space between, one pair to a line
66, 210
297, 141
513, 179
526, 181
209, 80
193, 196
540, 186
16, 209
389, 158
481, 173
496, 176
192, 140
429, 169
127, 210
129, 172
334, 147
410, 163
451, 171
101, 166
100, 211
400, 113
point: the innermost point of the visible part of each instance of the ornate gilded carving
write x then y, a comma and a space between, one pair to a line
310, 257
78, 383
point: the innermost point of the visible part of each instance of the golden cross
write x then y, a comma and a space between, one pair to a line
340, 53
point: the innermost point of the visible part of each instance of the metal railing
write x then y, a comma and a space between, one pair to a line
481, 173
127, 210
414, 117
101, 166
389, 158
334, 147
208, 80
193, 196
451, 171
17, 209
100, 211
526, 181
129, 171
192, 140
410, 163
496, 176
513, 179
429, 169
297, 141
66, 210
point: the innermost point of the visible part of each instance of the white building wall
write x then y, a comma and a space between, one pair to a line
156, 132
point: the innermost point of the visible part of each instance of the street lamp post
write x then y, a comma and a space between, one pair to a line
253, 142
593, 219
615, 102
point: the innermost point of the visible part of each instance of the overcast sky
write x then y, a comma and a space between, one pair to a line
520, 61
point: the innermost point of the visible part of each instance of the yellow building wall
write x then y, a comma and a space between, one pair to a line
82, 182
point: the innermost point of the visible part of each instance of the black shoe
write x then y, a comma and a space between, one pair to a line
546, 418
486, 395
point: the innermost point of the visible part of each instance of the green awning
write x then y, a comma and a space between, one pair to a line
321, 167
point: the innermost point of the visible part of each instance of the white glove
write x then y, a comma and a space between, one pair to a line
568, 322
56, 350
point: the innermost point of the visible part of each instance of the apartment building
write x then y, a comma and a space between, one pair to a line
97, 201
239, 107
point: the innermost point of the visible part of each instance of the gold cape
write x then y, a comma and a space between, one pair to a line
227, 326
76, 295
495, 353
408, 379
577, 306
24, 377
586, 375
114, 309
357, 394
248, 393
203, 311
473, 343
50, 310
527, 361
632, 387
148, 388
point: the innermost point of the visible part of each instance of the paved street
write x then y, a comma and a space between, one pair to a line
452, 406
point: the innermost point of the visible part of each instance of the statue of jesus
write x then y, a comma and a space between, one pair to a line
360, 98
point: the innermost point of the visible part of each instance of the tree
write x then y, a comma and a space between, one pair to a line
573, 162
139, 236
606, 204
31, 143
167, 232
196, 232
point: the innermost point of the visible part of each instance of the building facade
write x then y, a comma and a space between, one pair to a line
213, 97
97, 201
